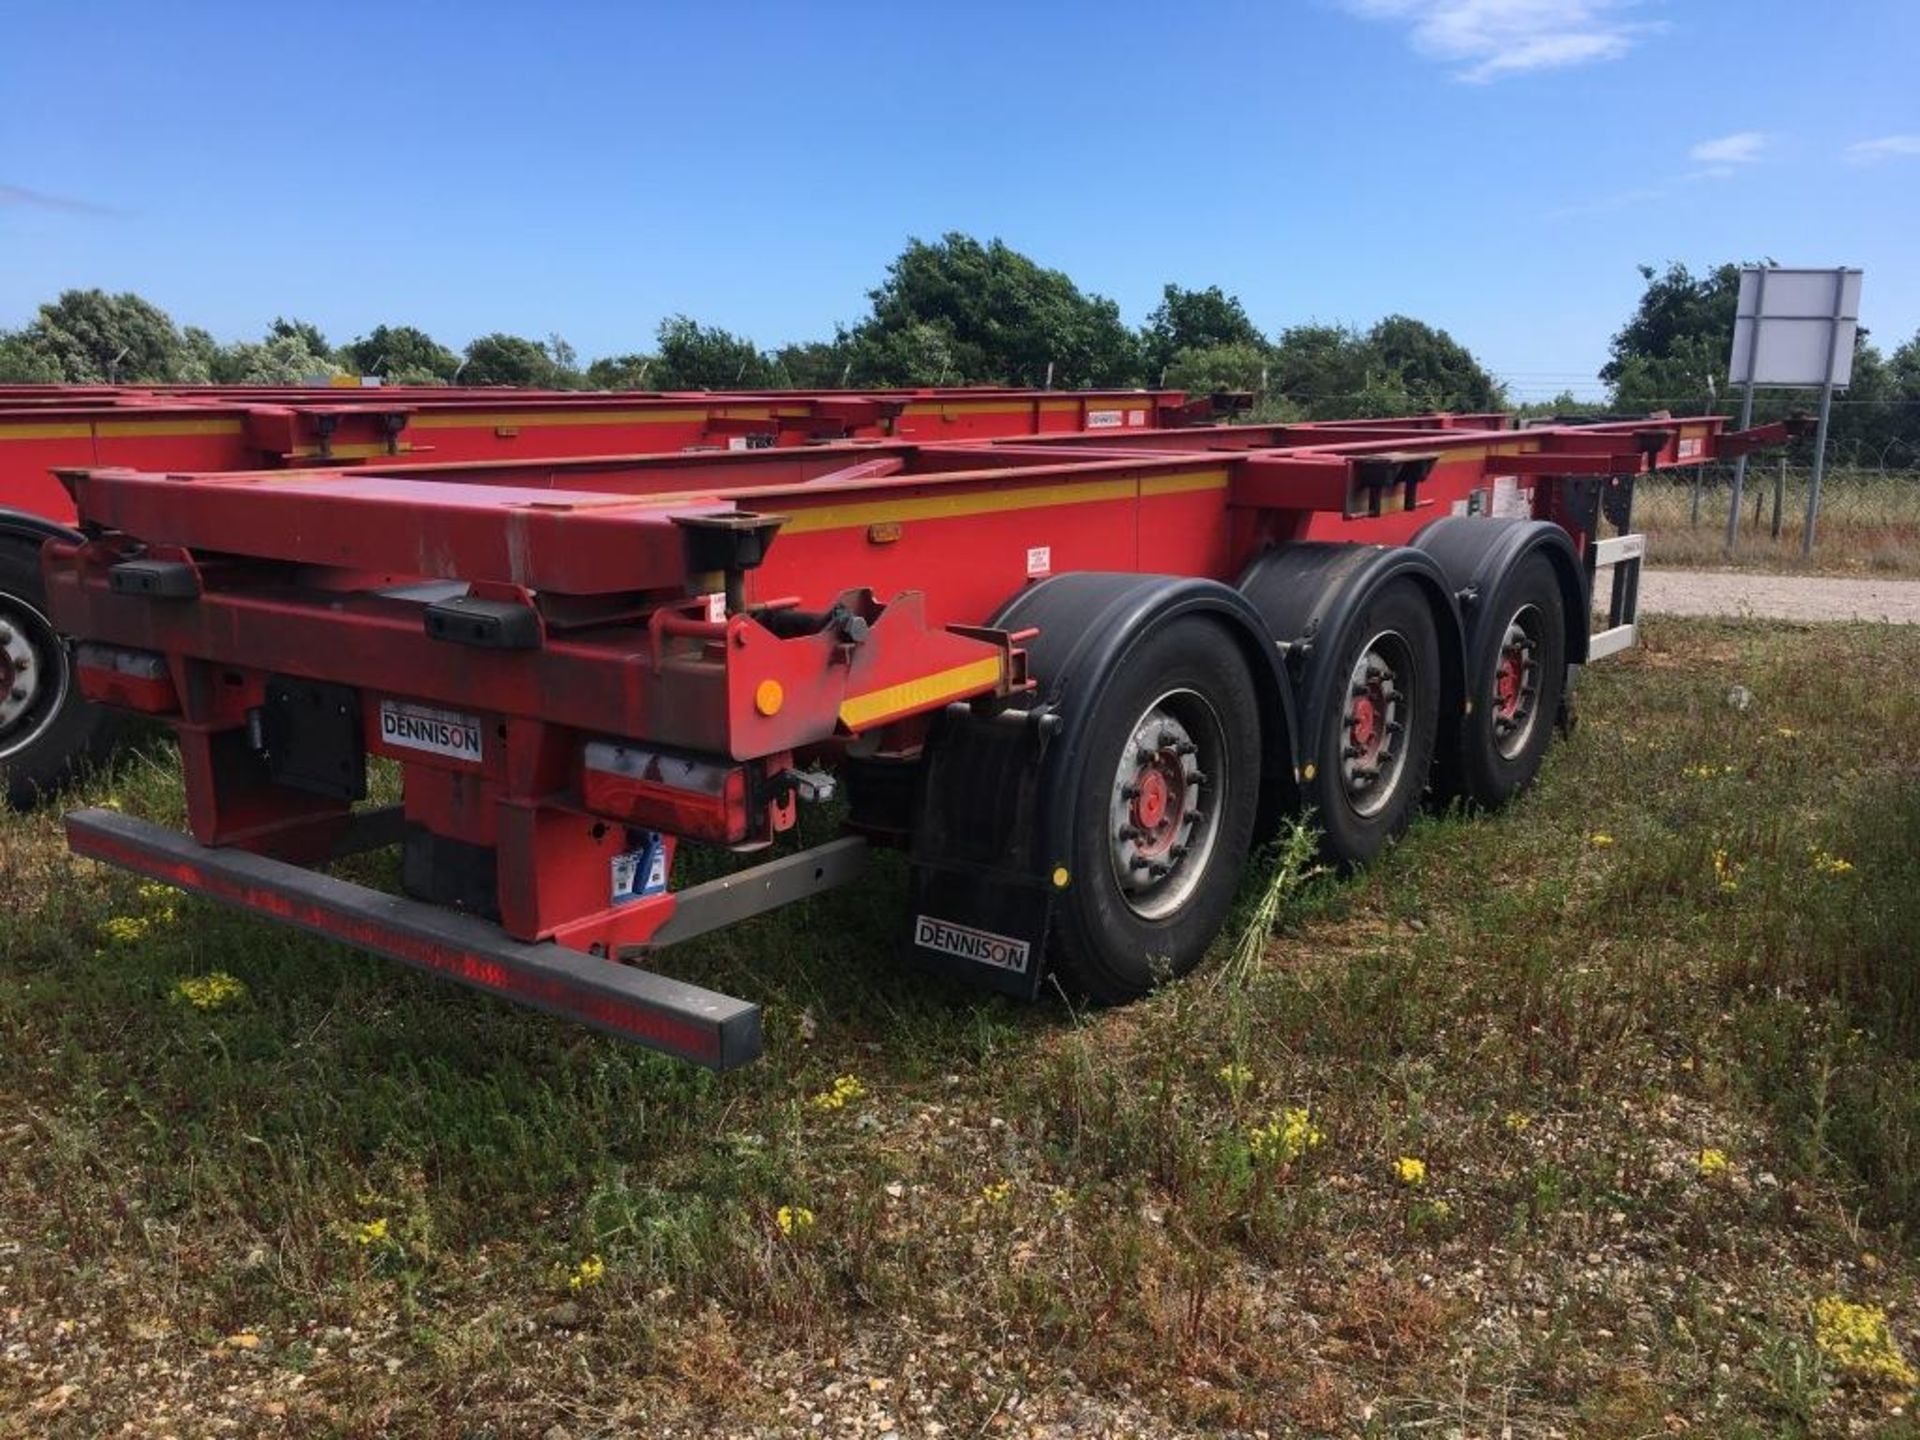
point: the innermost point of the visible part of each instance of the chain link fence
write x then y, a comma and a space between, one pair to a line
1869, 516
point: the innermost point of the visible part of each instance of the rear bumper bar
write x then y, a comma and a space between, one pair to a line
660, 1013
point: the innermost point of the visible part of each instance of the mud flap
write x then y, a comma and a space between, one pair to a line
982, 893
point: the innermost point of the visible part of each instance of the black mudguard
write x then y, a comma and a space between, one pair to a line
1475, 553
995, 812
1308, 591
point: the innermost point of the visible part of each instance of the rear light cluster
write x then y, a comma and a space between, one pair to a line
131, 679
686, 795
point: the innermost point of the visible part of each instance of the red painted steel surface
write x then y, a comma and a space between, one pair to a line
204, 428
865, 617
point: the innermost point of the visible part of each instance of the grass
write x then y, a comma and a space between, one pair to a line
346, 1200
1869, 520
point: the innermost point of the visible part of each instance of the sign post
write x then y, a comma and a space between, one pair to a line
1793, 329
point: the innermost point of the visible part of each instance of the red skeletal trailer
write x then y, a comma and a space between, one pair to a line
1074, 676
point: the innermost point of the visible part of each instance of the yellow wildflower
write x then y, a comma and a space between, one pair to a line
1440, 1210
1828, 864
794, 1219
1062, 1199
1410, 1171
587, 1274
213, 991
1516, 1121
125, 929
845, 1089
1284, 1139
1600, 840
1726, 871
1236, 1077
1855, 1339
1706, 772
1713, 1164
996, 1193
371, 1233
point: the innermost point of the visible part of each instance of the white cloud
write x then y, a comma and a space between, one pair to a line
1740, 148
1887, 147
1488, 39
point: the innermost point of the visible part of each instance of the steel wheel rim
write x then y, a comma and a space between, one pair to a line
1382, 689
1163, 808
33, 686
1514, 705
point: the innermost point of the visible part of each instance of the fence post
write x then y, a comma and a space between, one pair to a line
1779, 495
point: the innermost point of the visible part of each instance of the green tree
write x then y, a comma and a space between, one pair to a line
1673, 354
303, 332
95, 338
199, 357
1436, 371
1319, 369
284, 357
815, 364
1400, 366
566, 362
621, 372
1195, 320
1204, 370
22, 363
696, 357
921, 353
1675, 312
393, 351
993, 314
501, 359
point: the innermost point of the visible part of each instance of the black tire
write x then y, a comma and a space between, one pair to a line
1358, 818
1111, 943
52, 728
1504, 737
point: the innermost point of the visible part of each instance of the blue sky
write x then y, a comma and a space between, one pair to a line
1496, 167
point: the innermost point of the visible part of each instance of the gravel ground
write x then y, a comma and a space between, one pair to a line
1778, 597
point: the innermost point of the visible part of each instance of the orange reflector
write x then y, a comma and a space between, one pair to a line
768, 697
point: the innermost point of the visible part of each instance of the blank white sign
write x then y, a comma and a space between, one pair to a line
1806, 321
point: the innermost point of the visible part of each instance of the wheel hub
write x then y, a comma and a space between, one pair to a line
1373, 722
1162, 834
1516, 683
19, 672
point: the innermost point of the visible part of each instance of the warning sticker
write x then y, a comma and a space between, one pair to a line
1105, 419
1511, 499
1039, 561
437, 732
637, 873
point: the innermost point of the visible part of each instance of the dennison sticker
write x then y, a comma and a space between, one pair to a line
1003, 952
437, 732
